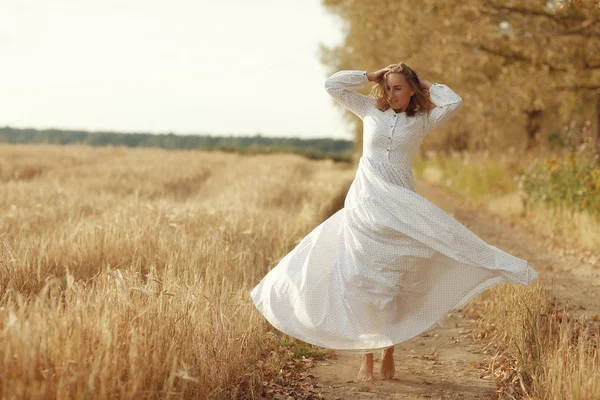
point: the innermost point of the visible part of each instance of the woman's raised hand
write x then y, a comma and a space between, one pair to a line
377, 75
422, 81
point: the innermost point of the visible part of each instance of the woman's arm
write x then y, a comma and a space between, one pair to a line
447, 103
342, 85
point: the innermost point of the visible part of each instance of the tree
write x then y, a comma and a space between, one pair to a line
505, 61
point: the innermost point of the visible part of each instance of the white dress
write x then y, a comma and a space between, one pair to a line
390, 264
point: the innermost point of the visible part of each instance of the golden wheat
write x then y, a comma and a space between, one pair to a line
125, 273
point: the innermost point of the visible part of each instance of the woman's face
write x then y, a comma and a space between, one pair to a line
397, 92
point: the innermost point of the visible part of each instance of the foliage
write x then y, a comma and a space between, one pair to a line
569, 180
522, 67
317, 149
469, 176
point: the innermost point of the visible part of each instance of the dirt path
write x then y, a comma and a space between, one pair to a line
444, 362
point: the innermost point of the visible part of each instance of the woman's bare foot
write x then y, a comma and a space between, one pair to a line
387, 364
366, 368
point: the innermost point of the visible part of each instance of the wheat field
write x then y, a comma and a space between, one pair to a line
125, 273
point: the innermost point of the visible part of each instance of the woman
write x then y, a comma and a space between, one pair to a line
390, 264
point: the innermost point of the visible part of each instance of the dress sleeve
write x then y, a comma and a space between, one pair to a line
342, 85
447, 103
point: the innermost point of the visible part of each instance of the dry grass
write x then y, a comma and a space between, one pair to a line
540, 352
572, 228
126, 273
488, 179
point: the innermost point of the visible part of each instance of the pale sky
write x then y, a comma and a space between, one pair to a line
185, 66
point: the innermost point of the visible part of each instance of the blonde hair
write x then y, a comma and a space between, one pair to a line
420, 100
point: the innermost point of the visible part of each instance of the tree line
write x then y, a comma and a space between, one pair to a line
315, 148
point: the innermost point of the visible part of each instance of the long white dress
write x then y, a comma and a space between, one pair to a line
390, 264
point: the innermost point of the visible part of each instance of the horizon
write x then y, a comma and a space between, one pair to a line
225, 135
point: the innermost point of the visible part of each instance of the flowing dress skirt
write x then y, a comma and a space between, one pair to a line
383, 269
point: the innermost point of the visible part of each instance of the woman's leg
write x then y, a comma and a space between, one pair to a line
366, 368
387, 364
